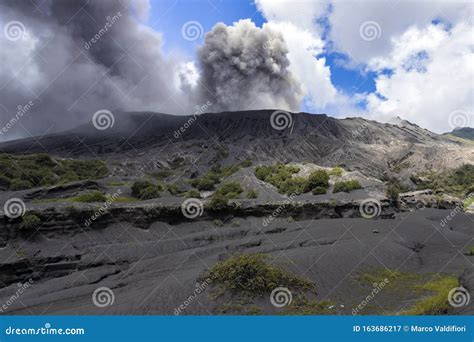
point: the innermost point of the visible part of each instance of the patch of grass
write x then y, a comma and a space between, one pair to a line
90, 196
437, 303
117, 183
235, 223
347, 186
160, 175
432, 290
306, 307
30, 221
471, 251
144, 189
29, 171
192, 194
251, 194
252, 275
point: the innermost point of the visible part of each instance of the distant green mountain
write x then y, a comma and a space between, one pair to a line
464, 133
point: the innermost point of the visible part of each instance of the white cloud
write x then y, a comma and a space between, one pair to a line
427, 95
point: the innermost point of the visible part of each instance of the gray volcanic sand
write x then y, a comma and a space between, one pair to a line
154, 270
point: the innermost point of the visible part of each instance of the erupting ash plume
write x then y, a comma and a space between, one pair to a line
246, 67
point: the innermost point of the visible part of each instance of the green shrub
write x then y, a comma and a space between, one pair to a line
318, 178
229, 190
319, 190
28, 171
336, 171
346, 186
457, 182
30, 221
252, 194
251, 274
203, 184
393, 191
218, 202
245, 163
91, 196
144, 189
471, 250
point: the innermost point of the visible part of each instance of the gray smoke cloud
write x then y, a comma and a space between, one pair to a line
73, 58
62, 61
246, 67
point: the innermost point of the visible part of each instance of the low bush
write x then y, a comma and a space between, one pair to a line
251, 274
29, 171
319, 190
144, 189
336, 171
346, 186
